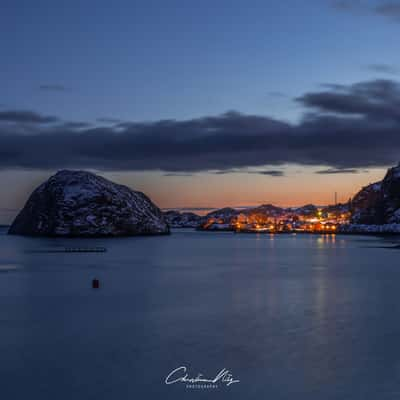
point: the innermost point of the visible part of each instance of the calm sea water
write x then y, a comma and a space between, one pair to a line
292, 317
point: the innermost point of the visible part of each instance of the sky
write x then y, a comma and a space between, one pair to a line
200, 104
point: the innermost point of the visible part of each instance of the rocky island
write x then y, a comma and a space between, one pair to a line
82, 204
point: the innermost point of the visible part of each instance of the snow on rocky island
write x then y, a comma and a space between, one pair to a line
82, 204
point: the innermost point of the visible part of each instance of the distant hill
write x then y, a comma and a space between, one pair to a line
176, 219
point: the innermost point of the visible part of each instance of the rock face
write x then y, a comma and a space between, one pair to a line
379, 203
366, 205
177, 219
390, 190
82, 204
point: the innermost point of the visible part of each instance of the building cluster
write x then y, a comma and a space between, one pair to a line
318, 221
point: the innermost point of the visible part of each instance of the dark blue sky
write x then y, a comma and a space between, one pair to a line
148, 60
313, 86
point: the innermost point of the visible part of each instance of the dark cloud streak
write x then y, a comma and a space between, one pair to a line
379, 99
331, 171
53, 88
351, 127
384, 69
23, 116
387, 9
348, 5
271, 172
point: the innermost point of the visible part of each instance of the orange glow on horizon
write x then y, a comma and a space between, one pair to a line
238, 190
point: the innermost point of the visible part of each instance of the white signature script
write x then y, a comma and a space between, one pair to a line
180, 374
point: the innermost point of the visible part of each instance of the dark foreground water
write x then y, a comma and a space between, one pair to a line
292, 317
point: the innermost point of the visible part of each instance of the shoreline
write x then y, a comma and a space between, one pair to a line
249, 232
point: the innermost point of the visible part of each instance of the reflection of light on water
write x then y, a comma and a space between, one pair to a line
8, 267
326, 239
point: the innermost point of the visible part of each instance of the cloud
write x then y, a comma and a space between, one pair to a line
178, 174
384, 69
23, 116
106, 120
243, 171
378, 99
348, 5
53, 88
350, 127
333, 86
338, 171
271, 172
387, 9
